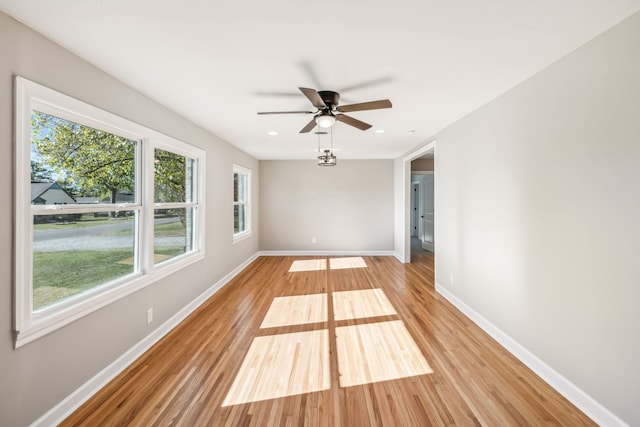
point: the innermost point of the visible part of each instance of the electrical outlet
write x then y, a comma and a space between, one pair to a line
451, 279
149, 315
313, 240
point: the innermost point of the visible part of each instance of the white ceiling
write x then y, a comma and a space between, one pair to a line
215, 62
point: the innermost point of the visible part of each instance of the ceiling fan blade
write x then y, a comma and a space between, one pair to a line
369, 83
308, 68
263, 113
278, 94
352, 122
313, 96
309, 127
371, 105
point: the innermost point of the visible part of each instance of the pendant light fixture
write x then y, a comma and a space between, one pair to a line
327, 159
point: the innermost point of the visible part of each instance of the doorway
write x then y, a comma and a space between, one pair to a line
424, 156
421, 208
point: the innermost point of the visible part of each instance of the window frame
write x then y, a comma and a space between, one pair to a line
167, 145
241, 235
30, 325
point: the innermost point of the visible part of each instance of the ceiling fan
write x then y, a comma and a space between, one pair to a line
328, 110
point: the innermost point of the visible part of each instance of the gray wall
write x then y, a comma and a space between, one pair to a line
39, 375
348, 207
538, 216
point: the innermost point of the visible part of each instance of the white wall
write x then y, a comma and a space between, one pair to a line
39, 375
538, 216
348, 207
400, 212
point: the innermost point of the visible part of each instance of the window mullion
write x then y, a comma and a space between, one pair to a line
147, 217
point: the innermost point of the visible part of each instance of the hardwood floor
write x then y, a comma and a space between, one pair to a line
226, 353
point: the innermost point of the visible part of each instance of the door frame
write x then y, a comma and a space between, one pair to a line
405, 236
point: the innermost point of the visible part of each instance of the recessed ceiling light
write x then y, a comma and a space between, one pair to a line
272, 133
379, 130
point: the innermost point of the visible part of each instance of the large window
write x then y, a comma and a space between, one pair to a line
103, 208
241, 203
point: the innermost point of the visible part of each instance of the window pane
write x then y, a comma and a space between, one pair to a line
242, 188
173, 178
173, 233
235, 187
76, 164
78, 252
239, 222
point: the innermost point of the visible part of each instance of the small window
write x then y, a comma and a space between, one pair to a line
241, 203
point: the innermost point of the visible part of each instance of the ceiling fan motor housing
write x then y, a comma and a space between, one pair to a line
330, 98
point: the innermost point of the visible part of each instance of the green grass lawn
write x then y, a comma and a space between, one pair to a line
60, 274
170, 229
57, 275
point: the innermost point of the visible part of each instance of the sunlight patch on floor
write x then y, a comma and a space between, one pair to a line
296, 310
282, 365
295, 363
308, 265
361, 304
377, 352
350, 262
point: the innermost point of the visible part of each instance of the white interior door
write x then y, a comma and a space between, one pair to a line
428, 240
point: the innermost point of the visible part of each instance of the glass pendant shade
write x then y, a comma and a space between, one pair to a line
325, 120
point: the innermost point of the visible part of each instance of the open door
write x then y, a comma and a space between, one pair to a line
428, 235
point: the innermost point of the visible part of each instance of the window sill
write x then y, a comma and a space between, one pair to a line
241, 236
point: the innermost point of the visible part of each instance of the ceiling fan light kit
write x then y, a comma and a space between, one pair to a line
325, 120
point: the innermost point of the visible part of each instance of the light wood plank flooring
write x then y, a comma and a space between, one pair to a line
393, 354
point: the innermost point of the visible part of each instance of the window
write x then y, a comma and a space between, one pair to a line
174, 207
241, 203
103, 207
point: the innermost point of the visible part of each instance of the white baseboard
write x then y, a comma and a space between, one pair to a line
72, 402
399, 257
594, 410
326, 253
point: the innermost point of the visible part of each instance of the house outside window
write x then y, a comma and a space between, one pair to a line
104, 207
241, 203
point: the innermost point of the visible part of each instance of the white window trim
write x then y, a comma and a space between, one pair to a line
29, 326
246, 233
